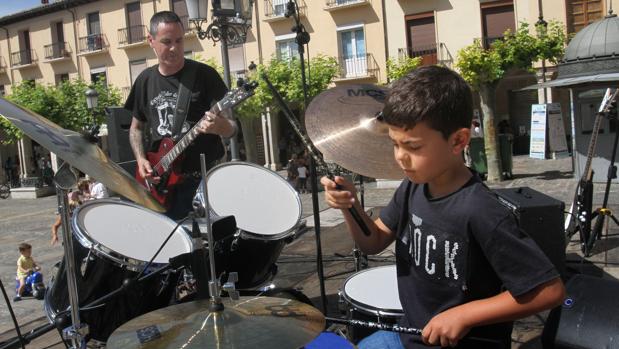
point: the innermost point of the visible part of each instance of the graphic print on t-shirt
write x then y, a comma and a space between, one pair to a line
434, 254
164, 104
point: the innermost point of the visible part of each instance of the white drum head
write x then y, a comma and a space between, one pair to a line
375, 288
130, 230
261, 201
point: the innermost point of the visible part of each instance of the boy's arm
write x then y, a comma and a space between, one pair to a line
448, 327
346, 197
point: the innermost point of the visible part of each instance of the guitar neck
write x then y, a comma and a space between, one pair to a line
587, 173
167, 160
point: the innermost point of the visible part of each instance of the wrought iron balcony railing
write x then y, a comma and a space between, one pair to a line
91, 43
277, 8
428, 53
357, 66
488, 40
23, 57
132, 35
57, 50
331, 4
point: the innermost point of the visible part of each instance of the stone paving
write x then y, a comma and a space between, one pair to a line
30, 221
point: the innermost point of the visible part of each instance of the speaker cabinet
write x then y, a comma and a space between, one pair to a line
118, 123
588, 318
541, 217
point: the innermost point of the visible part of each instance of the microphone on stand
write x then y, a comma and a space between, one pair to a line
290, 9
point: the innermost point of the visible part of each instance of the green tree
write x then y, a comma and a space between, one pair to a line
483, 69
397, 68
286, 77
64, 104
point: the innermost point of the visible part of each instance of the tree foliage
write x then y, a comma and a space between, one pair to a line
518, 50
483, 69
397, 68
286, 77
64, 104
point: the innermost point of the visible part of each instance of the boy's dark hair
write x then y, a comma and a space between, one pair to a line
24, 246
431, 94
162, 17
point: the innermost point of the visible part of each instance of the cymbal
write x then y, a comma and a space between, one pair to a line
73, 148
342, 123
250, 322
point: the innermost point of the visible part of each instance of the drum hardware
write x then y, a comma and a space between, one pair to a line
64, 180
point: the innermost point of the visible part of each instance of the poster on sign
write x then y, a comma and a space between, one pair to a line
557, 142
537, 148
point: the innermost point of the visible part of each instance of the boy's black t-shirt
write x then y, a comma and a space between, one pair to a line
459, 248
153, 100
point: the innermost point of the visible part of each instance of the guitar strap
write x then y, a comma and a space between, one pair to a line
185, 86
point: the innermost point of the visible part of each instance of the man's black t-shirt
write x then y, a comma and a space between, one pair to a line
153, 100
456, 249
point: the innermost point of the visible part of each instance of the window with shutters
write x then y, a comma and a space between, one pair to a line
581, 13
497, 17
421, 38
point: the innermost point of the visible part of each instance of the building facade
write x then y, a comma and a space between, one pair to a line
87, 39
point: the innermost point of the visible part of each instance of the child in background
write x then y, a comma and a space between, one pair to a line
25, 266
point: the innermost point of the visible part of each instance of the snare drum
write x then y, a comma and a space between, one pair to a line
112, 241
372, 295
267, 210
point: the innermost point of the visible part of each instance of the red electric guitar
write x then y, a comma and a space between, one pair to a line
166, 162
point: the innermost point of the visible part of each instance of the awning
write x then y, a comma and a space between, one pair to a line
566, 82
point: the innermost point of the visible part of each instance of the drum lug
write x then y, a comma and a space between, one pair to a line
341, 303
235, 243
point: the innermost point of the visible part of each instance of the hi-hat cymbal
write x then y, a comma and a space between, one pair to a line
342, 123
250, 322
73, 148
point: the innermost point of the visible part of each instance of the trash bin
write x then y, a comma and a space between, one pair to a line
506, 147
478, 155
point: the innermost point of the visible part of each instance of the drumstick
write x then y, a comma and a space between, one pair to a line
312, 151
415, 332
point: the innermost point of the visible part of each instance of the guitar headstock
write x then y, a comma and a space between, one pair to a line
238, 95
609, 101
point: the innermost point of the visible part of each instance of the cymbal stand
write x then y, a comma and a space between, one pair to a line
65, 179
604, 213
215, 304
361, 260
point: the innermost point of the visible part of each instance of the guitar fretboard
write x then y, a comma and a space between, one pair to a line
586, 175
167, 160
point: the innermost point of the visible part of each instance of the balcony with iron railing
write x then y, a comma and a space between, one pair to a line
357, 67
134, 35
57, 51
23, 59
92, 44
333, 5
275, 10
487, 41
428, 53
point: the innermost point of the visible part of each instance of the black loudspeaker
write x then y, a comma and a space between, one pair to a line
588, 318
118, 123
541, 217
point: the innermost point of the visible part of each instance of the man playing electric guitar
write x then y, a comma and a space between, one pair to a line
153, 103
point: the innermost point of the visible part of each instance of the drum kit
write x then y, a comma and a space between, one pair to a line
124, 260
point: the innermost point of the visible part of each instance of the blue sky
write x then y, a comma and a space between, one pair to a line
8, 7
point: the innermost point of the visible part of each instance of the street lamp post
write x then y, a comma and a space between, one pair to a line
92, 99
231, 19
